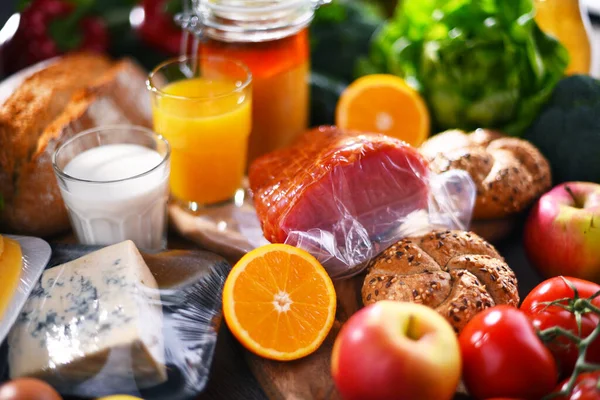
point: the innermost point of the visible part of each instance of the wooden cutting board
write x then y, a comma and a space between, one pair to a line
310, 377
304, 379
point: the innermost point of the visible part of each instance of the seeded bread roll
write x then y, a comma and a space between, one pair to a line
509, 173
454, 272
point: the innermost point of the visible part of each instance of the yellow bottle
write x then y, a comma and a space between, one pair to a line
564, 20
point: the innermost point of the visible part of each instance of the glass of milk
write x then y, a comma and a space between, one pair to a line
114, 181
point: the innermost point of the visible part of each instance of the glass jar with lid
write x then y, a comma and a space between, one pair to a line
271, 38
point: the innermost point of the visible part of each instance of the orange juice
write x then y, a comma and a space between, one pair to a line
207, 122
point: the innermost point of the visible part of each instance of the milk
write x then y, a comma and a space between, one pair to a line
120, 192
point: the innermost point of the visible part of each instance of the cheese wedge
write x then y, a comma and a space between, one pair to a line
97, 319
11, 263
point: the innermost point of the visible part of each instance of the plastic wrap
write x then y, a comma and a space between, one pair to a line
35, 256
345, 197
115, 321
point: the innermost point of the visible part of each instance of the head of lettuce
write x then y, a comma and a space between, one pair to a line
478, 63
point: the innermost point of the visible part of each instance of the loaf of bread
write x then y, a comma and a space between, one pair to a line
75, 93
457, 273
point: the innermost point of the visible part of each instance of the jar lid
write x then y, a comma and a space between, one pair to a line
254, 20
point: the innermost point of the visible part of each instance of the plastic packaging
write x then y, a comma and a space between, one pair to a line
116, 321
346, 249
345, 197
342, 197
36, 254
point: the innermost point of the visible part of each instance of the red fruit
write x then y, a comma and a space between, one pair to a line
158, 29
586, 387
396, 351
543, 317
48, 28
561, 236
503, 357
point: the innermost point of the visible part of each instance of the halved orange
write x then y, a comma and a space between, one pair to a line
279, 302
384, 104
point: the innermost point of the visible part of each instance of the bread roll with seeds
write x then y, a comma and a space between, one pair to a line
454, 272
509, 174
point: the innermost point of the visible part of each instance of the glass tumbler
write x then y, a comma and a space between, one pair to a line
114, 182
203, 106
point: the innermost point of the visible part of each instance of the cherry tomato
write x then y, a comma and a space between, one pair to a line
565, 351
503, 357
586, 387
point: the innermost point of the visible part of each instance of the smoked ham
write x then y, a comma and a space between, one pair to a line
334, 181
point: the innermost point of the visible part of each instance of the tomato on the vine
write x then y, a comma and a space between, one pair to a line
586, 387
544, 317
503, 357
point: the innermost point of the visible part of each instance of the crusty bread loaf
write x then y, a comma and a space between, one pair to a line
33, 105
76, 93
457, 273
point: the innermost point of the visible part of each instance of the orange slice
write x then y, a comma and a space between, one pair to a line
11, 263
279, 302
384, 104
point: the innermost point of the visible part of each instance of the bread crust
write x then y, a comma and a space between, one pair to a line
455, 272
509, 173
108, 93
39, 100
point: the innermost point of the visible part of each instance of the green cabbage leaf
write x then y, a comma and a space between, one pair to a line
478, 63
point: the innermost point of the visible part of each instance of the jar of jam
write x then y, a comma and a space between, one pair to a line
271, 38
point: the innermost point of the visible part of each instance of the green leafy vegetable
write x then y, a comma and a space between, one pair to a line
478, 63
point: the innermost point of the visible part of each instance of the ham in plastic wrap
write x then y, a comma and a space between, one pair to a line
346, 196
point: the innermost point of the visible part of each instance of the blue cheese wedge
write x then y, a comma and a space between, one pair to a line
92, 323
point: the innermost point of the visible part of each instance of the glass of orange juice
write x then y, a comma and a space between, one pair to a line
203, 107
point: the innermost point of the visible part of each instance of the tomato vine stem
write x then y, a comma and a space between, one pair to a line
578, 306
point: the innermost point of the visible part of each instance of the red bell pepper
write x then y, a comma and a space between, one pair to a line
49, 28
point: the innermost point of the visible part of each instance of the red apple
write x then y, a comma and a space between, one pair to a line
562, 233
394, 350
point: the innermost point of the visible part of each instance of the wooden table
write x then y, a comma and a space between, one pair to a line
231, 379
